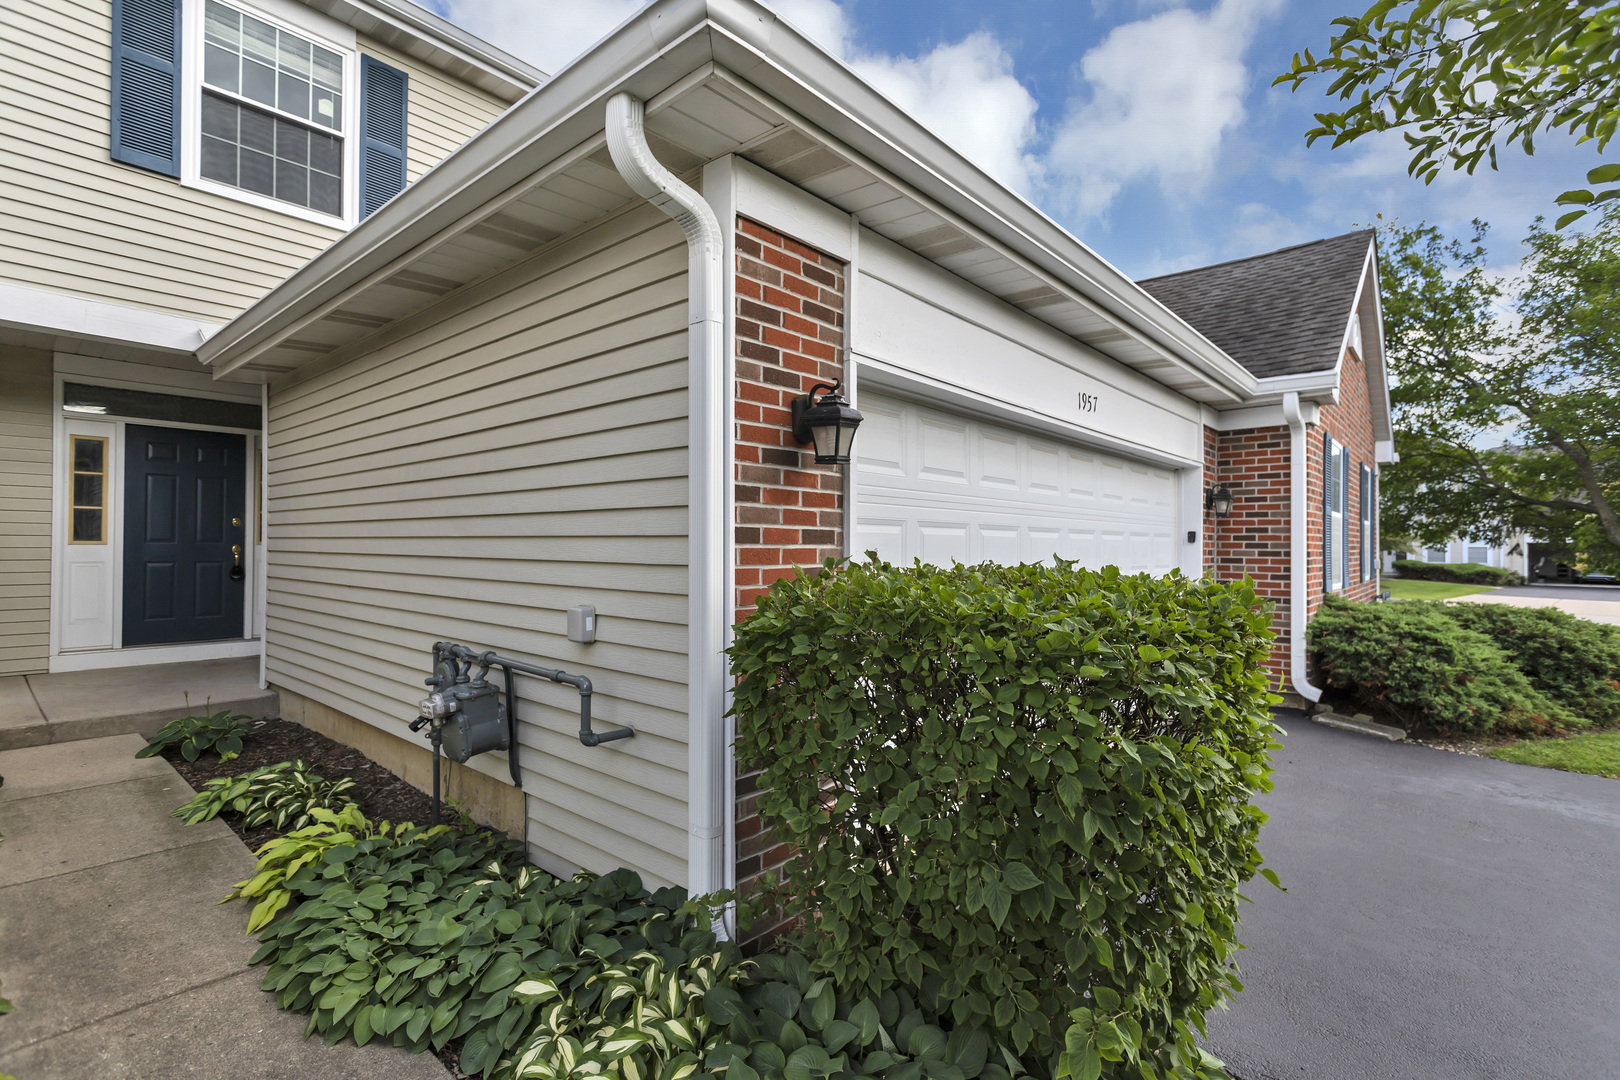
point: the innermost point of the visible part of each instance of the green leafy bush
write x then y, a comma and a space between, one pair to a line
1573, 661
284, 795
221, 732
1017, 792
1416, 661
1461, 573
777, 1018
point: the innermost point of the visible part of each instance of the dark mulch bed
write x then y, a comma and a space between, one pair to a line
382, 795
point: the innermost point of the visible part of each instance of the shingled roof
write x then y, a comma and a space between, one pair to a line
1281, 313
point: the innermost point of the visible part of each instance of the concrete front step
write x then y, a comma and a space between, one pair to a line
69, 706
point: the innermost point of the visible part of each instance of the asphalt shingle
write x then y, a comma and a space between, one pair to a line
1281, 313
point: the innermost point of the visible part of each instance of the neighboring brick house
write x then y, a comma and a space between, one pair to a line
1306, 320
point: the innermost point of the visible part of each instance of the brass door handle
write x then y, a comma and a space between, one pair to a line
237, 573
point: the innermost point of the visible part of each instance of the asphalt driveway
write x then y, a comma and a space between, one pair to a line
1446, 917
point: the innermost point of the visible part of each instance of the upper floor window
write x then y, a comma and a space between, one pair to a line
271, 108
240, 101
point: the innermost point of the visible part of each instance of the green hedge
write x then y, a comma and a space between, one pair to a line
1573, 661
1418, 662
1462, 573
1023, 794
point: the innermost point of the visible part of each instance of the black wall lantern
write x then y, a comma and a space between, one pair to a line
828, 422
1219, 500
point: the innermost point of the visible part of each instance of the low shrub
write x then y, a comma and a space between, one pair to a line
282, 858
221, 732
1416, 661
1461, 573
1573, 661
284, 795
1020, 793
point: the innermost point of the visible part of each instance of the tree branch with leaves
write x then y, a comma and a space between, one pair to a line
1459, 78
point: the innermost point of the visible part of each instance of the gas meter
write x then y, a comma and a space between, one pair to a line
464, 713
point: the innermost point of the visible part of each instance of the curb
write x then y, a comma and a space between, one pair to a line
1359, 726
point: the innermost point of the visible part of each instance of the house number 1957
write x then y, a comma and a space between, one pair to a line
1088, 402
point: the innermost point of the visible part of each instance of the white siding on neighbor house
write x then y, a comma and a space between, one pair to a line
468, 475
74, 220
25, 510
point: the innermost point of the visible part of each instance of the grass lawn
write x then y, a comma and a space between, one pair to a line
1414, 589
1597, 753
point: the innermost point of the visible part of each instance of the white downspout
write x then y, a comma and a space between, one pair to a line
707, 473
1297, 549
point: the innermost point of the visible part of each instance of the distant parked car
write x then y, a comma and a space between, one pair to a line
1599, 579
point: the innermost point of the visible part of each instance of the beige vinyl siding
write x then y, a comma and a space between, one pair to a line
442, 112
25, 510
74, 220
518, 448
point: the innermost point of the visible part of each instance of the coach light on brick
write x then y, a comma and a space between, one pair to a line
828, 423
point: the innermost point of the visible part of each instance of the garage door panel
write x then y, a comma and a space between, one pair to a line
940, 487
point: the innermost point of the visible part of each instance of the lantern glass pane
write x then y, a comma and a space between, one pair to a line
846, 439
826, 439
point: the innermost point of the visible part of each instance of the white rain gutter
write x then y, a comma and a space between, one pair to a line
707, 473
1297, 553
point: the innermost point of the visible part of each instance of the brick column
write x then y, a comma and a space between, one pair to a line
1254, 540
790, 512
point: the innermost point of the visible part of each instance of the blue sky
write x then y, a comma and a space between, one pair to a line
1148, 129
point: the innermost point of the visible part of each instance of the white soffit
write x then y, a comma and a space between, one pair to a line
536, 186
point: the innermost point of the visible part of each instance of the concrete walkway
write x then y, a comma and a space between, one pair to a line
112, 948
1447, 918
40, 709
1600, 603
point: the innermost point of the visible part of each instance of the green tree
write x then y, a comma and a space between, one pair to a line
1460, 77
1506, 392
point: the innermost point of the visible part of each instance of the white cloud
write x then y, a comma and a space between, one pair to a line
967, 94
1163, 92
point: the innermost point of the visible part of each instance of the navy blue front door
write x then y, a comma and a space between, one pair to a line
184, 500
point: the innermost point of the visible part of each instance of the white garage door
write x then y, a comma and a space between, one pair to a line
938, 486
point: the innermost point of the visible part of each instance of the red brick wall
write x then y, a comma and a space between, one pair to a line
790, 512
1254, 541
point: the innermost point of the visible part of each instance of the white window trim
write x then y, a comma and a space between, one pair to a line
191, 115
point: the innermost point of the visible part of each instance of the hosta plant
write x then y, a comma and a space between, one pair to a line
281, 858
221, 732
419, 936
284, 795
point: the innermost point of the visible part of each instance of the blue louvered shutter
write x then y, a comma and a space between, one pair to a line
1329, 470
146, 84
383, 93
1344, 516
1366, 526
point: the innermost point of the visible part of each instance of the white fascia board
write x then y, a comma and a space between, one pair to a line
791, 210
1377, 365
1319, 386
516, 77
1263, 416
79, 318
1384, 452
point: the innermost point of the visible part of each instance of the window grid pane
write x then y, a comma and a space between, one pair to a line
248, 56
88, 496
257, 152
